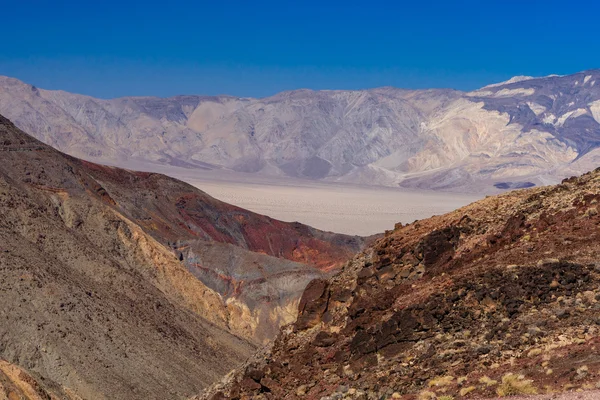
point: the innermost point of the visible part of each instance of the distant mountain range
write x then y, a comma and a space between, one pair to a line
522, 132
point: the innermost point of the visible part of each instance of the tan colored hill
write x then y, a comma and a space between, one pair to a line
123, 285
498, 298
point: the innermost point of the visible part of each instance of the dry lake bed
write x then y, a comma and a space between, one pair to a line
345, 209
350, 209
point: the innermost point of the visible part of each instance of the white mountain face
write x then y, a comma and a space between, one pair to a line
517, 133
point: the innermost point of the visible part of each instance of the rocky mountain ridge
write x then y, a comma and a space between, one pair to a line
498, 298
523, 132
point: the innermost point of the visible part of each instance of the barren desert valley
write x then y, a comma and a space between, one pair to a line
319, 245
338, 207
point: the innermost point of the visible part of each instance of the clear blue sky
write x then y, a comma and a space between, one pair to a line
115, 48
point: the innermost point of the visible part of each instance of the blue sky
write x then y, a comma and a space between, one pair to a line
257, 48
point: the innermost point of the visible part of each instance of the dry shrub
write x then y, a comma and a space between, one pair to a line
514, 385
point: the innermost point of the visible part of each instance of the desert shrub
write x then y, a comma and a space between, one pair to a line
467, 390
426, 395
513, 385
487, 381
441, 381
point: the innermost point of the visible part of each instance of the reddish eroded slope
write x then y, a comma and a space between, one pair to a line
97, 296
90, 301
497, 298
173, 210
261, 284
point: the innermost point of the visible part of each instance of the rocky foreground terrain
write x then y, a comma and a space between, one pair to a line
499, 298
523, 132
117, 284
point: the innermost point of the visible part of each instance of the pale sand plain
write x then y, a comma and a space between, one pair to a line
342, 208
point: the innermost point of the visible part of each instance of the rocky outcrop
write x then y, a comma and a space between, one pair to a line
15, 383
520, 132
498, 298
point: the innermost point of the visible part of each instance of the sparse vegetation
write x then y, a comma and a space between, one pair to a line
534, 352
427, 395
467, 390
513, 385
441, 381
487, 381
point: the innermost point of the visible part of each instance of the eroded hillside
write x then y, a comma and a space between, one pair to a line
497, 298
123, 285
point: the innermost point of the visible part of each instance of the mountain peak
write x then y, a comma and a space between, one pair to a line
514, 79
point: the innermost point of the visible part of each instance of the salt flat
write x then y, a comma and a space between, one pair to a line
342, 208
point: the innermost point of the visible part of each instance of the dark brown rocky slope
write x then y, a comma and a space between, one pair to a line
498, 298
102, 271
